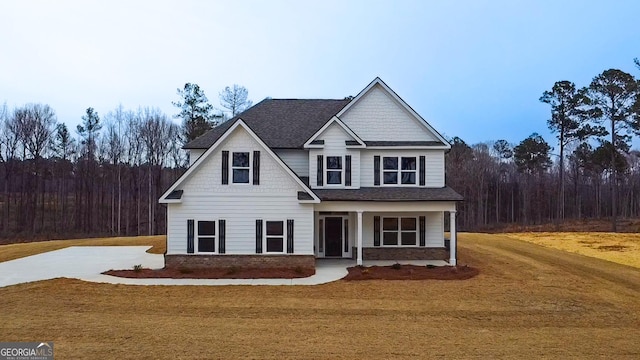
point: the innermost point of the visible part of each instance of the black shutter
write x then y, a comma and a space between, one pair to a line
225, 167
320, 170
190, 233
376, 170
423, 237
347, 170
346, 235
222, 233
290, 236
422, 171
376, 231
256, 168
258, 236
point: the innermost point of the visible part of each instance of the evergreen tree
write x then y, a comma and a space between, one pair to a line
195, 111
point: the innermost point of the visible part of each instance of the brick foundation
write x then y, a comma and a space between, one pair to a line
241, 261
403, 253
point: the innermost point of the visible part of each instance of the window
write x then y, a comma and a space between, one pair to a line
400, 231
400, 169
240, 167
275, 236
334, 170
206, 236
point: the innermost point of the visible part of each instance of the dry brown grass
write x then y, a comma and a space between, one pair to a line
15, 251
621, 248
527, 302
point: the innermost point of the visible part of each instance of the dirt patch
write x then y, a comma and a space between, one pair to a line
231, 273
411, 272
612, 247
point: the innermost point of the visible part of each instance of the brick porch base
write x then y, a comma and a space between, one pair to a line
403, 253
241, 261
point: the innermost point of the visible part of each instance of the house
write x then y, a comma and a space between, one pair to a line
290, 180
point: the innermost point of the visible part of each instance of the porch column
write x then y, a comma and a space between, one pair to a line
453, 241
359, 237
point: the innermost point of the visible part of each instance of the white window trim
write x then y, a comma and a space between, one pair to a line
196, 242
399, 231
231, 167
326, 169
399, 170
284, 237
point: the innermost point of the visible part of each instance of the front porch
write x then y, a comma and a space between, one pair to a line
386, 232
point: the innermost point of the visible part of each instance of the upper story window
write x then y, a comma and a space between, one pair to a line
241, 166
399, 170
334, 170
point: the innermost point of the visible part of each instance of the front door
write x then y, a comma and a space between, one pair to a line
333, 236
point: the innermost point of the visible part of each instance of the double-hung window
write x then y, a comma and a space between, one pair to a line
241, 167
399, 170
206, 236
274, 237
399, 231
334, 170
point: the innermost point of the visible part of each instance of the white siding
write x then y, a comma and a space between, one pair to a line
297, 160
377, 116
334, 138
435, 168
434, 162
334, 145
194, 154
205, 198
434, 227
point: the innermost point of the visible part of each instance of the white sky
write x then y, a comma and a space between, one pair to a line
473, 69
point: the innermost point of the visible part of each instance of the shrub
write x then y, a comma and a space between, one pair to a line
396, 266
137, 268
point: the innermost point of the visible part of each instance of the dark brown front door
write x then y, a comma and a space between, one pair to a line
333, 236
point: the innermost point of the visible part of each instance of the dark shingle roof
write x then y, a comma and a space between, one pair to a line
389, 194
280, 123
403, 143
303, 195
175, 195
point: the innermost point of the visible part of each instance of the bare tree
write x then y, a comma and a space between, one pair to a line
235, 99
36, 123
155, 130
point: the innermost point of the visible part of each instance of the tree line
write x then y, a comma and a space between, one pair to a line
105, 177
596, 174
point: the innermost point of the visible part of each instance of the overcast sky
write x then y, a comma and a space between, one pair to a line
473, 69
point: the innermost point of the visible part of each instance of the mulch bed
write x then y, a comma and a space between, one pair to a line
232, 273
411, 272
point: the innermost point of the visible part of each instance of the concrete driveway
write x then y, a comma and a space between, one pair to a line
78, 262
88, 262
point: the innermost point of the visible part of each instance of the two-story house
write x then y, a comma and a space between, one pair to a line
290, 180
